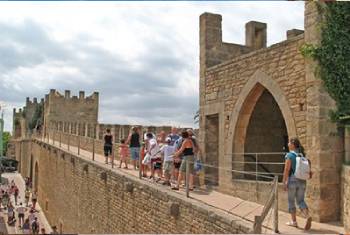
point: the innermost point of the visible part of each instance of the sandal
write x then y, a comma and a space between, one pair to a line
308, 223
292, 224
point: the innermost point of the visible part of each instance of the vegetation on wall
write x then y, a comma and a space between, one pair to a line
333, 55
5, 139
37, 117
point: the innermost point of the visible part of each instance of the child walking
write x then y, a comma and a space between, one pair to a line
123, 153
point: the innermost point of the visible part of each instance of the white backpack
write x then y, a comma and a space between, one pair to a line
302, 168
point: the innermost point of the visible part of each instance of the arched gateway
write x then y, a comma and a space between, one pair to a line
260, 124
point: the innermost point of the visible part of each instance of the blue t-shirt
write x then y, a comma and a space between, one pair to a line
174, 138
293, 157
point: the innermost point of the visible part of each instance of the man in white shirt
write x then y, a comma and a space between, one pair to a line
153, 150
168, 151
21, 210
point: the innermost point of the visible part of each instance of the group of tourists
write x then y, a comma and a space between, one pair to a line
10, 193
163, 156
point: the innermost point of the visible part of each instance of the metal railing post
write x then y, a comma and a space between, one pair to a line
187, 177
140, 166
256, 166
112, 156
60, 139
68, 141
78, 144
275, 209
93, 149
53, 137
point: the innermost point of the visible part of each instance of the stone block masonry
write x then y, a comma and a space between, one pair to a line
253, 98
84, 197
345, 192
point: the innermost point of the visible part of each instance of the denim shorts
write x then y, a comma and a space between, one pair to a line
135, 153
296, 192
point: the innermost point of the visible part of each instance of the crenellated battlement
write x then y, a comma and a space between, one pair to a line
214, 51
62, 107
54, 94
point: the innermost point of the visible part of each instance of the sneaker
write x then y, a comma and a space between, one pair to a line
308, 223
292, 224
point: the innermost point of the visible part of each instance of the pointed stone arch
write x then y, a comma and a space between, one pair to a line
244, 107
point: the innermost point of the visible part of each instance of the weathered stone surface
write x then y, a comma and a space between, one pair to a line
270, 94
345, 198
174, 209
83, 203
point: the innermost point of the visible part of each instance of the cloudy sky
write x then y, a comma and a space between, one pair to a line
142, 57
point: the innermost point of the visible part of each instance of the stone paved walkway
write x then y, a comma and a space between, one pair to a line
229, 204
40, 215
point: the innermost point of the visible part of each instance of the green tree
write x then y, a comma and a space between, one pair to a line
5, 139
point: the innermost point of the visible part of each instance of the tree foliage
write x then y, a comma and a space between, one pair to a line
37, 117
5, 139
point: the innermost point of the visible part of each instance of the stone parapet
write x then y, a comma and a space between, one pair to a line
81, 196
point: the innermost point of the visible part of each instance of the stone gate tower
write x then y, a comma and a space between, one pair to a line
253, 98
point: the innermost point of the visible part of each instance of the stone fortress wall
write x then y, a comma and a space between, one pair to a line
78, 195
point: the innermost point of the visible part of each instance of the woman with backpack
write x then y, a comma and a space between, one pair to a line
293, 184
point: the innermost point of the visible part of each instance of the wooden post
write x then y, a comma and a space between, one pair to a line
257, 224
275, 209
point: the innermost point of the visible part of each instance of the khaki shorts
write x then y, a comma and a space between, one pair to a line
190, 159
168, 167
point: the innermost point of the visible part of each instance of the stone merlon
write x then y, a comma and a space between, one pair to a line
255, 35
67, 94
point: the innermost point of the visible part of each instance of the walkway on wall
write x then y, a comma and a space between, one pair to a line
229, 204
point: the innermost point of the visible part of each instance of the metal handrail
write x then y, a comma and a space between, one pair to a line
271, 202
261, 153
259, 164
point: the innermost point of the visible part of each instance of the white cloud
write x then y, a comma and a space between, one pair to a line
140, 50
